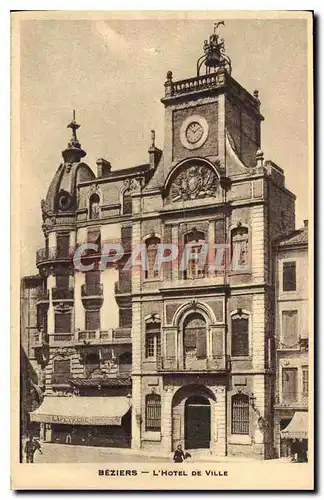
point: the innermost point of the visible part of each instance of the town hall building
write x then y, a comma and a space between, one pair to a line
147, 358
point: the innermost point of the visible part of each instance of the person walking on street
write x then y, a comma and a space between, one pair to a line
30, 447
179, 455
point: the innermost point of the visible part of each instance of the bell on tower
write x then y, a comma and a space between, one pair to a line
214, 56
73, 153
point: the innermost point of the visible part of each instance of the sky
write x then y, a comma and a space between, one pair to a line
112, 72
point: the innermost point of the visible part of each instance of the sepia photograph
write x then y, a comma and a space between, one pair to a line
163, 184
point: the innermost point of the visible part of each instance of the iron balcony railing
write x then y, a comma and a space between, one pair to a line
106, 336
54, 253
59, 293
92, 290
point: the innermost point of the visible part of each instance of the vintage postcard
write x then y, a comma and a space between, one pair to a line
162, 268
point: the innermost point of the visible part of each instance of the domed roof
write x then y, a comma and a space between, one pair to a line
61, 195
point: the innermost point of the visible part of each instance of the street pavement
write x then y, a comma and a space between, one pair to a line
62, 453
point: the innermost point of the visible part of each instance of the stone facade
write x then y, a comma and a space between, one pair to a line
209, 386
292, 333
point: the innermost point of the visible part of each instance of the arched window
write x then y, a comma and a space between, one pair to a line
240, 334
240, 248
153, 340
151, 251
195, 337
240, 414
153, 412
94, 206
127, 203
195, 256
125, 362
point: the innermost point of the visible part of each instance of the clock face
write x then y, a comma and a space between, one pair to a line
194, 132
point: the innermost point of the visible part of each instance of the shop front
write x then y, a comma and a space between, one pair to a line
294, 437
87, 421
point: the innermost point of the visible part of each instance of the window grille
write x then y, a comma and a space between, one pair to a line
153, 412
240, 414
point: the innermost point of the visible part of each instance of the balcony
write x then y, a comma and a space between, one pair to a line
298, 402
59, 293
93, 290
112, 336
40, 339
215, 364
45, 255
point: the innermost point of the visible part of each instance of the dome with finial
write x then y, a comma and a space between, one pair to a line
61, 195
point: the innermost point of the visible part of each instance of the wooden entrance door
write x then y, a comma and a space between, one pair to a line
197, 423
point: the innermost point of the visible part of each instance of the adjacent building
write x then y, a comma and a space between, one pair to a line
185, 355
292, 320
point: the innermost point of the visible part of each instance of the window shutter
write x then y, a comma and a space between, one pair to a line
289, 384
93, 320
217, 343
289, 276
240, 337
289, 327
220, 230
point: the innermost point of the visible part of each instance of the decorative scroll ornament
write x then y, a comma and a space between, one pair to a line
133, 184
194, 182
63, 353
48, 216
62, 308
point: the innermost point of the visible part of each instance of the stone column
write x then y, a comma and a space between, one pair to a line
136, 413
219, 443
166, 419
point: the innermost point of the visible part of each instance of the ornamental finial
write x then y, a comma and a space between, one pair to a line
74, 126
214, 53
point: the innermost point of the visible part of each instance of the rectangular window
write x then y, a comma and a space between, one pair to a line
240, 414
240, 336
153, 413
63, 322
305, 380
62, 282
152, 340
289, 276
289, 384
125, 318
61, 371
92, 320
62, 243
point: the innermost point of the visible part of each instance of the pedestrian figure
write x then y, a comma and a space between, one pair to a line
30, 447
179, 455
68, 439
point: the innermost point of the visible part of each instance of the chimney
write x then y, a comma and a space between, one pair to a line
306, 223
103, 167
154, 152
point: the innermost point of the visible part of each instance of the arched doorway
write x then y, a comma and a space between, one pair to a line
197, 422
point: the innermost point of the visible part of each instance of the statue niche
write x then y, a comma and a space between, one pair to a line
193, 182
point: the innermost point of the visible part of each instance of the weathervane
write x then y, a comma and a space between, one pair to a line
214, 53
74, 126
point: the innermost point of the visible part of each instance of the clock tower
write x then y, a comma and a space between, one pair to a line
211, 109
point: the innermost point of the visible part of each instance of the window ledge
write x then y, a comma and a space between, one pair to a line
150, 280
241, 358
239, 439
152, 436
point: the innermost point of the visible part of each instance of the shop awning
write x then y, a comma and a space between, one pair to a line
78, 410
297, 427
